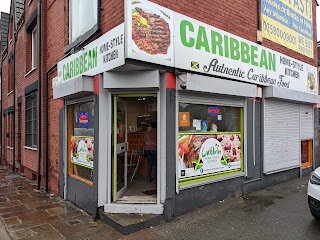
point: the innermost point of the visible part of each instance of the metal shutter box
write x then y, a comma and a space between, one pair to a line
210, 99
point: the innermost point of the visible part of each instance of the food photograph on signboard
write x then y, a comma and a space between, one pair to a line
151, 31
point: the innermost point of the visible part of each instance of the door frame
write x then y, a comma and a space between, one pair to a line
118, 193
111, 206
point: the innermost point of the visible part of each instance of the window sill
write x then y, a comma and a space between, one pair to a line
11, 148
29, 2
31, 148
9, 93
28, 73
10, 41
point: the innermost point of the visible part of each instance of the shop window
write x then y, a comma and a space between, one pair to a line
210, 143
83, 17
31, 120
306, 153
81, 141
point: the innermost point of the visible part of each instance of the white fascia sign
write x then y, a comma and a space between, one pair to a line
159, 35
102, 54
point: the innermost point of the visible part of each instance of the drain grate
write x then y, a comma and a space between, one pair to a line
74, 222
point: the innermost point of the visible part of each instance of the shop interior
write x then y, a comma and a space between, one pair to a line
141, 112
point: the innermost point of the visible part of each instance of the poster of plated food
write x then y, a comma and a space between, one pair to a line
82, 149
205, 154
151, 35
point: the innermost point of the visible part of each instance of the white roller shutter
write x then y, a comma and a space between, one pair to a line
306, 122
281, 136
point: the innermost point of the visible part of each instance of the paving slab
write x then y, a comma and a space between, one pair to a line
4, 234
26, 213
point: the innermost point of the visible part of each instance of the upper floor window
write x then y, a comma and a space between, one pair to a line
34, 48
83, 17
10, 76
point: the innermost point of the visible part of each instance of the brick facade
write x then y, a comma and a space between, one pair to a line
239, 18
25, 157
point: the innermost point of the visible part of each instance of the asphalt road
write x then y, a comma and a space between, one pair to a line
278, 212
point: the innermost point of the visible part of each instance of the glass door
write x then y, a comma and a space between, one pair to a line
120, 147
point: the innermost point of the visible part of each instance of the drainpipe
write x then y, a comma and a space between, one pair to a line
14, 97
47, 125
39, 93
1, 109
259, 14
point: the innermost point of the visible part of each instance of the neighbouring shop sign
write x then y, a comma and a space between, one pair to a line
103, 54
289, 23
82, 149
205, 154
159, 35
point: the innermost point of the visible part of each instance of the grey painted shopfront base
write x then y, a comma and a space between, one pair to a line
80, 194
190, 199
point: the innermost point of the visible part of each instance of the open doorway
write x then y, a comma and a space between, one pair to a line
134, 146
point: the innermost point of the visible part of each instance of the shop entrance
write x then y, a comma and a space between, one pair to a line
134, 148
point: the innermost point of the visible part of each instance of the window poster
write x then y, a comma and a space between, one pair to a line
184, 119
205, 154
82, 149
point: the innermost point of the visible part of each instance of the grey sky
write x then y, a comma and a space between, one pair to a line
5, 7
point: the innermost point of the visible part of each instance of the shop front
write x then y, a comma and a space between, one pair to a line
200, 116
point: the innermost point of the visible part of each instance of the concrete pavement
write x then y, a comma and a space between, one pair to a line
277, 212
28, 214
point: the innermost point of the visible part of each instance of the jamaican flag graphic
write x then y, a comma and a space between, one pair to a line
197, 164
195, 65
225, 160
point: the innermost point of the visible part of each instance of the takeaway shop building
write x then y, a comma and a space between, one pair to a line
228, 115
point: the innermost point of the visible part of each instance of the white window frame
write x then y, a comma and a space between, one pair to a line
71, 40
34, 48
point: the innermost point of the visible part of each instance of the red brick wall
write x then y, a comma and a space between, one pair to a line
29, 158
56, 31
